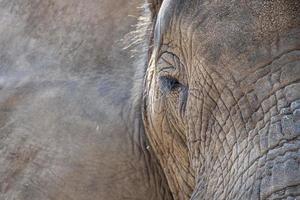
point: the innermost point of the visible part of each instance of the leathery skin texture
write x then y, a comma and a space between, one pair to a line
214, 84
222, 98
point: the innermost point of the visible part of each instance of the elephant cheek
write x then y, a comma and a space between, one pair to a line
153, 116
195, 123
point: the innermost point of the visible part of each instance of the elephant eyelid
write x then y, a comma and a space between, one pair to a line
165, 69
168, 61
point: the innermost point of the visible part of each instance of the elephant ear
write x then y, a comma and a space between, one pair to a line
154, 6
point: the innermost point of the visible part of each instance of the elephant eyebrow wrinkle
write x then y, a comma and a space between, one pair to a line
158, 36
162, 24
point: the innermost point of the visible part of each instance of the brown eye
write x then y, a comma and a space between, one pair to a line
168, 84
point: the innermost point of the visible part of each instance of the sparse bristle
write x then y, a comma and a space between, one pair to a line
136, 41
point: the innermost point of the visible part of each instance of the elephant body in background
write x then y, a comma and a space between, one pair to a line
65, 85
208, 108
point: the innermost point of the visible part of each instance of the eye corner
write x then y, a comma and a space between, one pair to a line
169, 84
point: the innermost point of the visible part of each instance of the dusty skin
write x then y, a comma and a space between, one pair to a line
221, 102
203, 103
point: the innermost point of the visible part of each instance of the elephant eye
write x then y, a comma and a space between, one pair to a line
168, 84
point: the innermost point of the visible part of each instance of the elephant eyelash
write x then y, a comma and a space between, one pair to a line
168, 84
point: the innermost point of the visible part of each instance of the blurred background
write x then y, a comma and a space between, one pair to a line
64, 84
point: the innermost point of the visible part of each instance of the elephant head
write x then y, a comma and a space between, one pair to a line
221, 97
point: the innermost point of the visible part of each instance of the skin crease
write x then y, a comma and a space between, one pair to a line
220, 100
222, 97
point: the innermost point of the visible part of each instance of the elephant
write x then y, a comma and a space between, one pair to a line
65, 95
190, 99
221, 97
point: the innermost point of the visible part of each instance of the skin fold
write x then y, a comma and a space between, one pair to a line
221, 102
204, 104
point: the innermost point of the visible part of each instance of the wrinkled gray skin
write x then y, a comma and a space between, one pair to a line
222, 98
65, 117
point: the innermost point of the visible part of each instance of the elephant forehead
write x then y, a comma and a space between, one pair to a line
223, 32
259, 16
